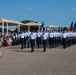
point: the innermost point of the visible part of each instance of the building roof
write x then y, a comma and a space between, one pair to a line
32, 24
51, 26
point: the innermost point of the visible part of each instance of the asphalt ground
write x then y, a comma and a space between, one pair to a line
56, 61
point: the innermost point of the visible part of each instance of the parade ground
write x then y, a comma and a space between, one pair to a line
55, 61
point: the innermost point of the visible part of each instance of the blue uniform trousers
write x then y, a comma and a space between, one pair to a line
38, 42
44, 45
32, 44
64, 43
22, 43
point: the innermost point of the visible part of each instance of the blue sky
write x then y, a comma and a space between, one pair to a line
55, 12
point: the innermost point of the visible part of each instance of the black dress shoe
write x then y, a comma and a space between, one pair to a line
21, 48
44, 51
32, 51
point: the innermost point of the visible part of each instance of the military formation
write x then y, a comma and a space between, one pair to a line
44, 39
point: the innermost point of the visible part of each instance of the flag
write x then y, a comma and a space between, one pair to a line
75, 27
42, 26
71, 26
59, 28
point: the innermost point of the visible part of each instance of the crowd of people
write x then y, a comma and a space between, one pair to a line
5, 41
51, 39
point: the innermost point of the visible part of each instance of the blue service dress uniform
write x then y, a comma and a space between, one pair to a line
28, 34
44, 38
51, 39
38, 37
64, 39
22, 39
25, 38
32, 41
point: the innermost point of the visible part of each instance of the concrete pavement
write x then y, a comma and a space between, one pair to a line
56, 61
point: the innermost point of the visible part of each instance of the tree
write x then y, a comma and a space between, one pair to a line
27, 21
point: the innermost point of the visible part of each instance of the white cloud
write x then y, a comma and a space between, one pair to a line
74, 9
28, 9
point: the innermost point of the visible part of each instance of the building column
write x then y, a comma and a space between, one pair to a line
39, 28
29, 28
18, 28
7, 28
2, 27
